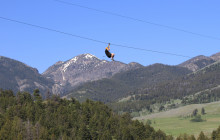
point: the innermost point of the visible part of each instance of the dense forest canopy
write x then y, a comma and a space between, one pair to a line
30, 117
26, 116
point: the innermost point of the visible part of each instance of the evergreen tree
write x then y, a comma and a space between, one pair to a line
203, 111
5, 132
126, 134
202, 136
84, 133
138, 131
160, 135
195, 112
106, 136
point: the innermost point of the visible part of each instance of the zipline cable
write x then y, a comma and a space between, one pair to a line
86, 38
140, 20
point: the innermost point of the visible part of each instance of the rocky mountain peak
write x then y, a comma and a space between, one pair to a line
84, 57
88, 56
197, 63
82, 62
59, 62
216, 57
83, 68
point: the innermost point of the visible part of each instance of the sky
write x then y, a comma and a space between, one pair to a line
41, 48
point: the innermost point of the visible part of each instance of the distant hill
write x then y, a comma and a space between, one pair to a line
197, 63
125, 83
205, 78
18, 76
202, 86
216, 57
83, 68
155, 84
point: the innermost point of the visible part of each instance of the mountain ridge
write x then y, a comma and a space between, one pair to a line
197, 62
18, 76
216, 56
121, 84
83, 68
65, 76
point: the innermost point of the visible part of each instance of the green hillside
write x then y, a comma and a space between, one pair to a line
177, 121
125, 83
199, 87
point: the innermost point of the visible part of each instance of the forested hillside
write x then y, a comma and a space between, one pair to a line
124, 84
199, 87
26, 117
157, 83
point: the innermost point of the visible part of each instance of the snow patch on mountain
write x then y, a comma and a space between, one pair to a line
68, 63
90, 56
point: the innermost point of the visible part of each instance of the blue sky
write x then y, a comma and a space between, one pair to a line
41, 48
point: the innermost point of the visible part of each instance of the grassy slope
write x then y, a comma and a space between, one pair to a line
176, 122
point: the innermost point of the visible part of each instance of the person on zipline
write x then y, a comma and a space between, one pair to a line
108, 54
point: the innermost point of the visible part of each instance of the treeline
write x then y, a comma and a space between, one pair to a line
207, 96
205, 83
138, 103
214, 136
156, 84
27, 117
126, 83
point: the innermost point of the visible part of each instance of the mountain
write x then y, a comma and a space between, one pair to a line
124, 83
216, 57
156, 83
205, 78
198, 62
87, 76
18, 76
83, 68
202, 86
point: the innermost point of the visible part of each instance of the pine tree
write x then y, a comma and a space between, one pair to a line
84, 133
160, 135
126, 134
106, 136
203, 111
138, 130
5, 132
202, 136
195, 111
192, 137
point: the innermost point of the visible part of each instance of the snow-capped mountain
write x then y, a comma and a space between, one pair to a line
63, 77
83, 68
